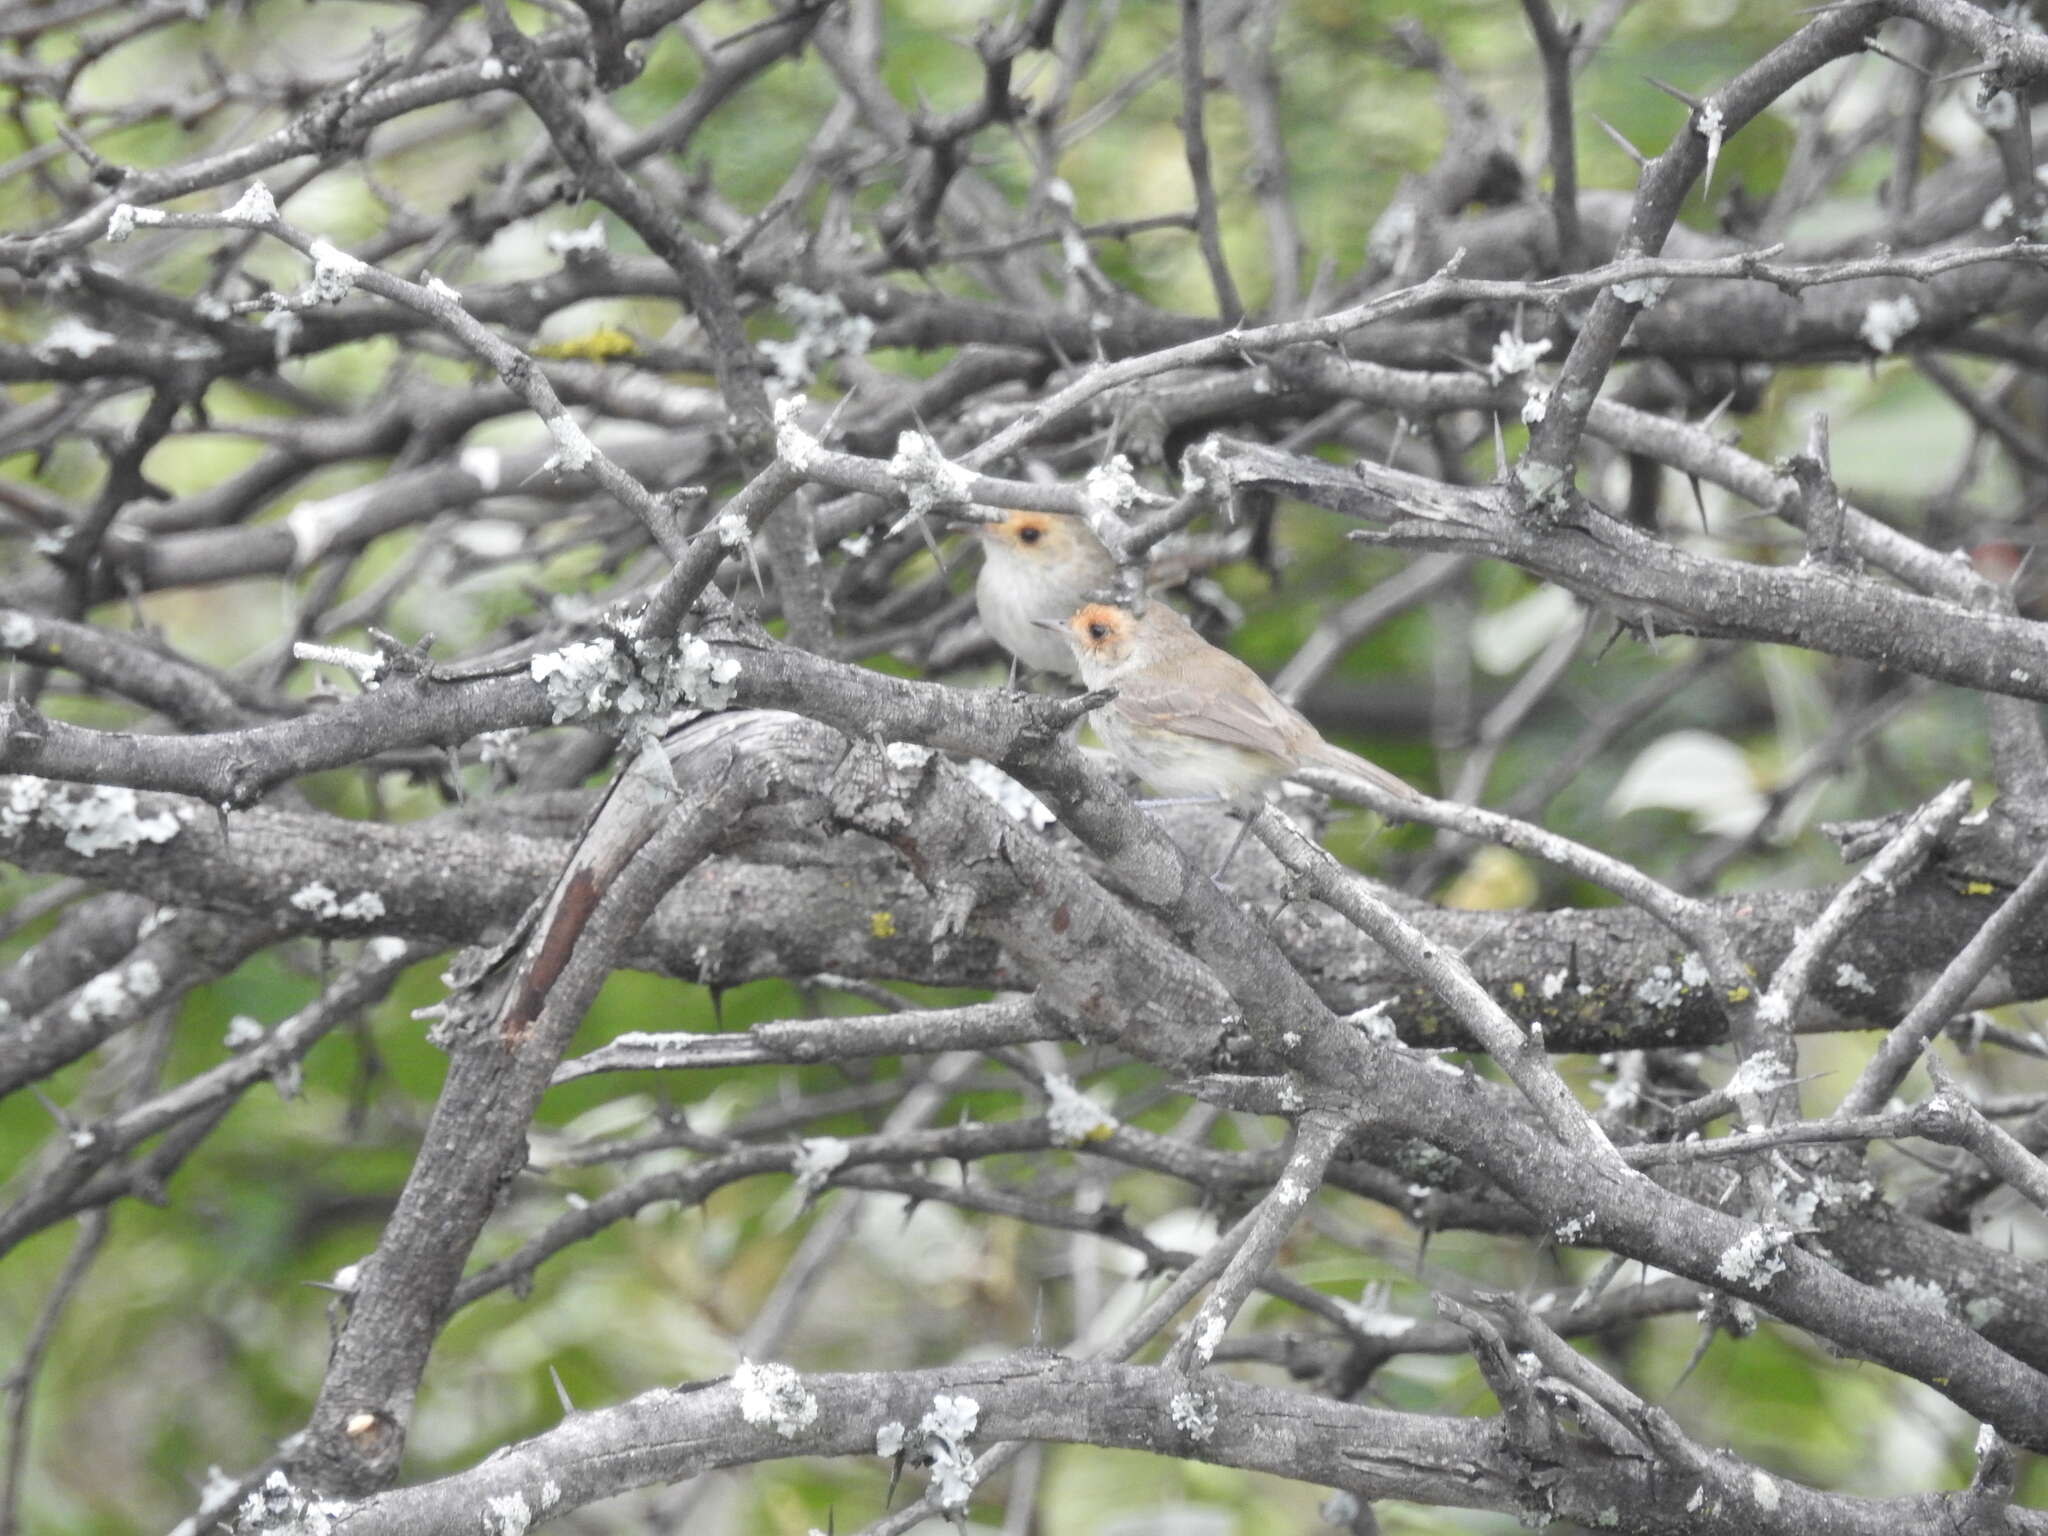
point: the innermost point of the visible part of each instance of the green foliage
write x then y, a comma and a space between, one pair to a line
218, 1289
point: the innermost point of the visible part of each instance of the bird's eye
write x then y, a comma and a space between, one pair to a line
1030, 535
1098, 631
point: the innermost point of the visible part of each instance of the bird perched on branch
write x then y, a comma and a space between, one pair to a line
1193, 721
1038, 565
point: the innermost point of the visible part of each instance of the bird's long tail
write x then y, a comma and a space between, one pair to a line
1336, 759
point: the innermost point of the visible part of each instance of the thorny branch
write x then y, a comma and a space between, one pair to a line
654, 563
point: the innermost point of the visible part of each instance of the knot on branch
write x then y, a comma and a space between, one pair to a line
875, 783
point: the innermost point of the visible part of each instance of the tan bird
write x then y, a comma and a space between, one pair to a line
1194, 721
1038, 566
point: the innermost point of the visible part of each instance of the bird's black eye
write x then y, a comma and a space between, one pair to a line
1098, 630
1030, 535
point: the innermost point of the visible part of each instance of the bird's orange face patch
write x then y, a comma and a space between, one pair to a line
1031, 533
1103, 632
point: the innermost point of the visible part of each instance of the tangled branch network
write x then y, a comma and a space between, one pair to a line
552, 909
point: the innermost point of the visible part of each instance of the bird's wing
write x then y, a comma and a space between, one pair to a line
1252, 718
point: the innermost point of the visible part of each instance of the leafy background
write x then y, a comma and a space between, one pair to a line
201, 1337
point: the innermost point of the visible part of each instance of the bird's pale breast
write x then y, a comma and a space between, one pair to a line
1178, 765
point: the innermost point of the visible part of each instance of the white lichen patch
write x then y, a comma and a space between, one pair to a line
573, 448
1114, 486
118, 993
582, 678
1756, 1258
72, 337
929, 480
242, 1033
1643, 292
1919, 1293
255, 206
335, 273
17, 630
507, 1515
100, 819
1760, 1073
1545, 487
1982, 1311
907, 756
624, 674
1763, 1490
1886, 320
284, 326
125, 218
570, 243
1369, 1316
1660, 989
1513, 355
1015, 801
316, 525
774, 1394
1207, 1331
316, 897
1072, 1116
825, 329
889, 1439
793, 445
817, 1159
1373, 1022
946, 1430
733, 532
1194, 1414
277, 1506
1850, 979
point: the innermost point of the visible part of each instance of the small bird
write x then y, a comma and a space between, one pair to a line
1191, 720
1038, 565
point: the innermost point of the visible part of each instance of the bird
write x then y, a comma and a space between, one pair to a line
1192, 720
1038, 565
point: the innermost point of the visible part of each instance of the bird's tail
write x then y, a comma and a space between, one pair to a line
1336, 759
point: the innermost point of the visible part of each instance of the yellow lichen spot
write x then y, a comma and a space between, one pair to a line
597, 346
1495, 880
1738, 994
882, 924
1517, 990
1978, 888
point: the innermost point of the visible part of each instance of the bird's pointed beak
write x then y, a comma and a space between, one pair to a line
1057, 626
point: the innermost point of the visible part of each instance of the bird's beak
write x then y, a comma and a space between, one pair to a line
1057, 626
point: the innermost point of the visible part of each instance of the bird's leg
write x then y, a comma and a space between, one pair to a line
1243, 831
1011, 685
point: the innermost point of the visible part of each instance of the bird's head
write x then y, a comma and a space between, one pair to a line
1103, 635
1047, 541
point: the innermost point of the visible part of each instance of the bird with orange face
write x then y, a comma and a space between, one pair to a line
1192, 720
1038, 565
